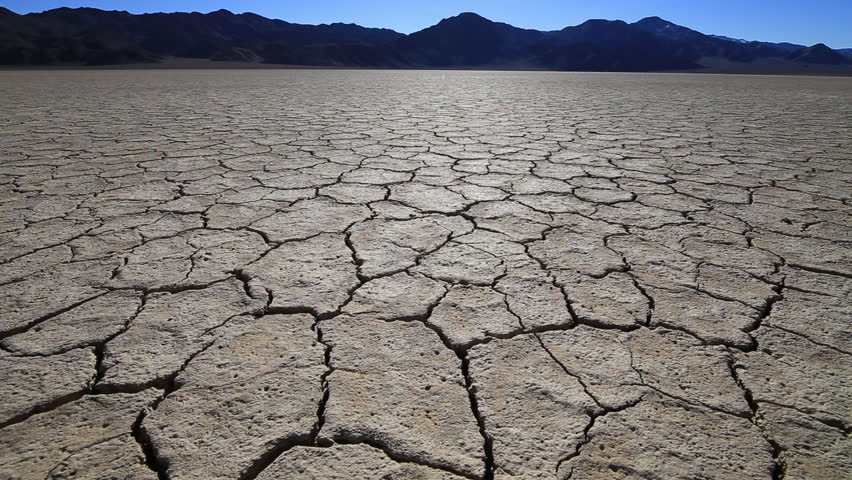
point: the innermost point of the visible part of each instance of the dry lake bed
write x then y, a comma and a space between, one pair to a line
300, 274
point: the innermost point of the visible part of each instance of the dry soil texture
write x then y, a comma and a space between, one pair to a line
433, 275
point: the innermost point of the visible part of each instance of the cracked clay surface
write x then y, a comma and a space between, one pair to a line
423, 275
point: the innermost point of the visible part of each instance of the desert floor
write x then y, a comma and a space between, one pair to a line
299, 274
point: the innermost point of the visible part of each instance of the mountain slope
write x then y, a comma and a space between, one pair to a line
612, 45
87, 35
781, 45
696, 45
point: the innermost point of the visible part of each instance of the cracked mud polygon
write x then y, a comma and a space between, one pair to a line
438, 275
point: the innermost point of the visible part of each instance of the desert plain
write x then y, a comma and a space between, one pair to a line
344, 274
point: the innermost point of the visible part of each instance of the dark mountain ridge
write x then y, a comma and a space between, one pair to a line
782, 45
91, 36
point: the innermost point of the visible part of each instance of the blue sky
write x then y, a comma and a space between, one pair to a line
798, 21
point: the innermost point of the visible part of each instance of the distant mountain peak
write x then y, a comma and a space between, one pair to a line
665, 28
819, 54
656, 21
467, 17
601, 21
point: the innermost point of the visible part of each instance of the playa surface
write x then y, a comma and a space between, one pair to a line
421, 274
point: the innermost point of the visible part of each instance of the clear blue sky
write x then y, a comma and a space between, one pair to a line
797, 21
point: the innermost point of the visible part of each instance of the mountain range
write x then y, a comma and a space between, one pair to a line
88, 36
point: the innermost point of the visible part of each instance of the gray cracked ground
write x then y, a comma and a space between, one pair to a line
464, 275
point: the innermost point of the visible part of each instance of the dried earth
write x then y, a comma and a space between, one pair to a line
434, 275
